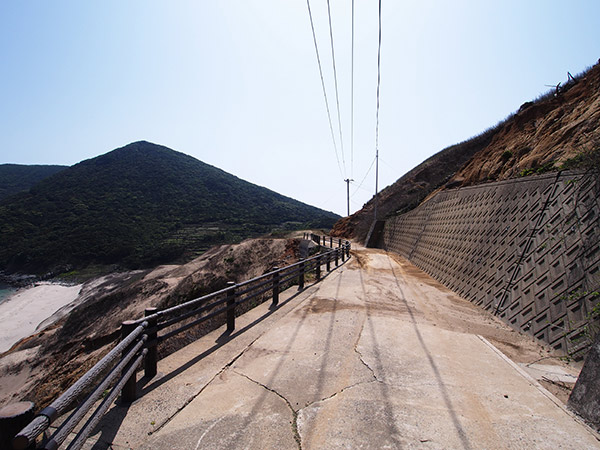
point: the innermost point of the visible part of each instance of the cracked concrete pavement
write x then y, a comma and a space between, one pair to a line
374, 356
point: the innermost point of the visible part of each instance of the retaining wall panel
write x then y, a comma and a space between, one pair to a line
558, 288
542, 335
592, 257
575, 273
541, 301
557, 331
560, 345
557, 266
479, 239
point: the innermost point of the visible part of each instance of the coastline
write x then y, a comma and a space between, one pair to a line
24, 310
6, 292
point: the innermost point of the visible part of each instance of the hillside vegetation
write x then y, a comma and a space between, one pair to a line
15, 178
138, 206
547, 134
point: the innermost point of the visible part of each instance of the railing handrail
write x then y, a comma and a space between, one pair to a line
59, 406
140, 338
206, 297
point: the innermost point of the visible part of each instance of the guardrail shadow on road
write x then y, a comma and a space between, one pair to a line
462, 435
140, 339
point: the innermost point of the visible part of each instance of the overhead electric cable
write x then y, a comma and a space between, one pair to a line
337, 97
312, 26
377, 115
378, 81
364, 178
352, 100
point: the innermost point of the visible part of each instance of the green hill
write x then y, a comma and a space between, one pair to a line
136, 206
15, 178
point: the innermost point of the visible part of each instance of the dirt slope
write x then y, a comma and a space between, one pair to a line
42, 366
541, 136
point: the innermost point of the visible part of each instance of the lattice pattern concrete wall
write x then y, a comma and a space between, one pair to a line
524, 249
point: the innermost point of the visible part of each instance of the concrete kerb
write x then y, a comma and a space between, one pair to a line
540, 388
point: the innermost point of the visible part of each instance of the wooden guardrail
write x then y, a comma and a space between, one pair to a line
116, 372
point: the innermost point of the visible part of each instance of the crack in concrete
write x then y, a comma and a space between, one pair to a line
358, 383
310, 291
229, 364
295, 432
360, 356
194, 396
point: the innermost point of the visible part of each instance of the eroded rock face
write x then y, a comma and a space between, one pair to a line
42, 366
539, 137
542, 134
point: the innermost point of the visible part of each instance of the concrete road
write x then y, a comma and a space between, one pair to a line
377, 355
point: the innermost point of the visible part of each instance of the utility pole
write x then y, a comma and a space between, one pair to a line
348, 180
376, 180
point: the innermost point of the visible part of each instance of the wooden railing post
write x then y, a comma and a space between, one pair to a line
301, 276
328, 266
275, 286
339, 243
231, 306
347, 249
128, 393
151, 359
343, 254
13, 418
337, 257
330, 242
318, 268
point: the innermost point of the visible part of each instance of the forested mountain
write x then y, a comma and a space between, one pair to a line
136, 206
15, 178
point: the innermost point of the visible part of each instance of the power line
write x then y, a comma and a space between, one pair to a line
312, 26
364, 178
352, 100
378, 80
337, 97
377, 117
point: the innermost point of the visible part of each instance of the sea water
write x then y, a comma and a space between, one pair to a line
6, 291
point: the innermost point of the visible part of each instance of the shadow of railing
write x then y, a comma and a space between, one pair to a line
140, 339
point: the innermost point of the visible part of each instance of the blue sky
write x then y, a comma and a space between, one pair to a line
235, 83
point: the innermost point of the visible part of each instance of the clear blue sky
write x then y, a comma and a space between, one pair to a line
235, 83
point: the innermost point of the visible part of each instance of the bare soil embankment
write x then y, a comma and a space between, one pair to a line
539, 137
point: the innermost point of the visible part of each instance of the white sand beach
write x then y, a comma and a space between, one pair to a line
21, 314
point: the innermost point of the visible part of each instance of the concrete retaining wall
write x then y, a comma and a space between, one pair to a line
525, 249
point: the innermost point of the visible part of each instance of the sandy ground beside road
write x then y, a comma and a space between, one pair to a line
21, 314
